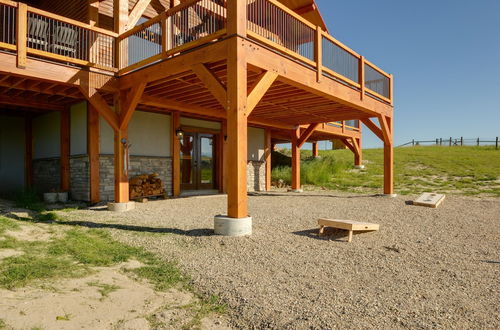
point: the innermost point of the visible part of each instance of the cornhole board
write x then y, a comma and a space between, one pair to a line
429, 200
349, 225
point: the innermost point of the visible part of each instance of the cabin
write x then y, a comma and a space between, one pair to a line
96, 92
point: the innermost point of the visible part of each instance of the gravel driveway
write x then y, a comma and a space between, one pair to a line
425, 268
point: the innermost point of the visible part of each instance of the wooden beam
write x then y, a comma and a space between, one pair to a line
358, 155
133, 98
295, 159
307, 134
28, 152
176, 155
30, 103
120, 15
136, 13
93, 150
22, 31
348, 145
65, 146
373, 127
121, 163
387, 128
263, 83
315, 151
267, 157
306, 9
211, 82
93, 12
237, 198
98, 102
318, 53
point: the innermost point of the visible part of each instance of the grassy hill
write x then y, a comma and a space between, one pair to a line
456, 170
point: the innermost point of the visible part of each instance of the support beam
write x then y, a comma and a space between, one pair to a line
120, 15
65, 146
211, 82
374, 128
28, 152
358, 155
267, 157
121, 166
307, 134
236, 109
315, 151
136, 13
176, 155
93, 12
260, 88
387, 125
295, 159
133, 98
97, 101
22, 31
93, 150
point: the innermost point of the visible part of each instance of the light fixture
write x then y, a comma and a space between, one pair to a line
179, 133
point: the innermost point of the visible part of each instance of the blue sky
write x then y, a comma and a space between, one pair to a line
444, 54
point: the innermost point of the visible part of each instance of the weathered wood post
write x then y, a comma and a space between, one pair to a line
413, 142
496, 143
295, 159
437, 142
450, 141
461, 141
478, 142
440, 141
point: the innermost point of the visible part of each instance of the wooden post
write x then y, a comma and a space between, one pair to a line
93, 12
121, 163
176, 155
450, 141
496, 143
461, 141
65, 146
295, 159
478, 142
28, 151
437, 142
267, 157
22, 31
440, 141
318, 52
388, 158
236, 111
413, 142
93, 150
315, 152
120, 15
358, 155
362, 76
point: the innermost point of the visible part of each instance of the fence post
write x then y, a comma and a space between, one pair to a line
440, 141
496, 143
478, 142
461, 141
450, 141
413, 142
437, 141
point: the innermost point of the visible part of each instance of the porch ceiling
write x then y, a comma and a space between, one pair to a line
282, 103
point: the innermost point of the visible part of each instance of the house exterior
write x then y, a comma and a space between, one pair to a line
95, 92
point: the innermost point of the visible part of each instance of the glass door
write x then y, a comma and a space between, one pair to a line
197, 161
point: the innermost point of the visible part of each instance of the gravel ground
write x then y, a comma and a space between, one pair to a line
425, 268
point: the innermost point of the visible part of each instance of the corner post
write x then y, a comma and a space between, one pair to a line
93, 152
388, 158
65, 146
267, 157
237, 222
22, 31
295, 160
318, 50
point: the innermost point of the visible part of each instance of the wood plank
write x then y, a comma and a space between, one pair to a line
93, 150
211, 82
349, 224
65, 150
68, 59
21, 34
261, 86
176, 154
429, 200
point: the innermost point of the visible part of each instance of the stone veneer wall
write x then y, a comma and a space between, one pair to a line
80, 178
138, 165
256, 175
46, 174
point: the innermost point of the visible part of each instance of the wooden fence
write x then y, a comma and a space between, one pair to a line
452, 142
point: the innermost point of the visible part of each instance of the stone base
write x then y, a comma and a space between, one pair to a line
226, 226
295, 190
390, 195
121, 207
359, 167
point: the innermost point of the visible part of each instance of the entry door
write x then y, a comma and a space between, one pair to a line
197, 161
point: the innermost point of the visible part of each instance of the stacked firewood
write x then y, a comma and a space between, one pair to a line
146, 185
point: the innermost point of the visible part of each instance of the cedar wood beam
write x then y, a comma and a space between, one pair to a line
374, 128
385, 129
136, 13
133, 98
264, 82
307, 134
93, 96
211, 82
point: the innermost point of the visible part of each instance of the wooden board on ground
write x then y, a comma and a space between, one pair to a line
349, 225
429, 200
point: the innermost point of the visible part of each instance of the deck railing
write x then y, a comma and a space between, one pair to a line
31, 31
346, 125
183, 27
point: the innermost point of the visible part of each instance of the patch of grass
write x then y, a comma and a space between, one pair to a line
202, 308
104, 288
20, 270
460, 170
162, 275
3, 325
29, 199
65, 317
7, 224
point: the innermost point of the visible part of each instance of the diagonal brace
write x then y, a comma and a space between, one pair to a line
133, 98
259, 89
211, 82
307, 134
100, 104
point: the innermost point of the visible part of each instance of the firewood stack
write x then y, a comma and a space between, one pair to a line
146, 185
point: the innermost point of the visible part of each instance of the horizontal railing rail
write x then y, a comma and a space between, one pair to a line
181, 28
349, 125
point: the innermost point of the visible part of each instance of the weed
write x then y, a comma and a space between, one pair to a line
7, 224
104, 288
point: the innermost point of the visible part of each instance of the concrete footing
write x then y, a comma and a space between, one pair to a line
226, 226
359, 167
390, 195
121, 207
295, 190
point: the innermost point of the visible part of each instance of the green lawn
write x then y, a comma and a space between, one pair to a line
456, 170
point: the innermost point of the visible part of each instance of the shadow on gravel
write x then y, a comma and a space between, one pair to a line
293, 194
330, 234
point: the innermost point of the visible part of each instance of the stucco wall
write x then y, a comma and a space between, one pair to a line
78, 129
11, 154
256, 141
46, 136
149, 135
186, 121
